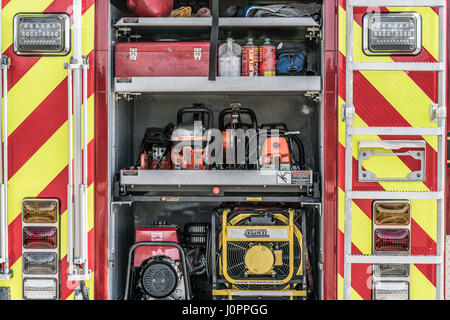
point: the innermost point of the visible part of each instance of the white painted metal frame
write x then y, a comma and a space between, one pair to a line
77, 198
5, 271
348, 114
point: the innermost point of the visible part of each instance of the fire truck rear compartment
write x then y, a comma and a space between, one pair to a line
281, 100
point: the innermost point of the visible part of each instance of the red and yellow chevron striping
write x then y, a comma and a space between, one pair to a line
388, 98
37, 132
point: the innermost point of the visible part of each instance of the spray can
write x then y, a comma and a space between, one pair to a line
250, 59
268, 59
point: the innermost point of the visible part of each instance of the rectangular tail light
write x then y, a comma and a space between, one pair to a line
40, 211
391, 270
391, 239
40, 263
40, 289
40, 237
391, 290
391, 213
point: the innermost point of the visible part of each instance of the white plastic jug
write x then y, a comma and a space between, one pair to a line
230, 59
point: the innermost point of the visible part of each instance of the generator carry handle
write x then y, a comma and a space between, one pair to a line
198, 111
157, 244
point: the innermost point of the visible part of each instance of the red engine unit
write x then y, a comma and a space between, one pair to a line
156, 234
162, 59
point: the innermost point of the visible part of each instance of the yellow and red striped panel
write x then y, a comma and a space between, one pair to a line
37, 132
397, 99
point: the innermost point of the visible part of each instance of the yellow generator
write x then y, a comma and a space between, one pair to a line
260, 253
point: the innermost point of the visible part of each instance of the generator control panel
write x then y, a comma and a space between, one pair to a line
42, 34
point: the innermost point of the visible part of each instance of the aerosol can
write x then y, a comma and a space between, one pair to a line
250, 59
268, 59
230, 59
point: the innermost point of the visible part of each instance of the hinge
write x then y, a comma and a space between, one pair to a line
437, 112
313, 95
348, 112
313, 33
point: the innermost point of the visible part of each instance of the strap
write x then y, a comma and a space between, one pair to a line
213, 41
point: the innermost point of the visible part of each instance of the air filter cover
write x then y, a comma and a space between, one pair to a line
159, 279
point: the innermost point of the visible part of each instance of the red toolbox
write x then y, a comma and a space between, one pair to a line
162, 59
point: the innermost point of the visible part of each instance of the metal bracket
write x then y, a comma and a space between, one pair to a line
79, 277
364, 154
437, 112
313, 33
348, 112
7, 276
313, 96
124, 31
128, 96
5, 62
72, 66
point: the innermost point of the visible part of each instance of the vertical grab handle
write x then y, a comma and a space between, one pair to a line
79, 266
5, 271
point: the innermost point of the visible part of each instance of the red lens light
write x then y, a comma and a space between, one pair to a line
392, 240
40, 237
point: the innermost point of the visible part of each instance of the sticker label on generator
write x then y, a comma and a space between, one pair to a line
301, 177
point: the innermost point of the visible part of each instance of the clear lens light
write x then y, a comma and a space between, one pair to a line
391, 270
39, 289
391, 290
392, 33
40, 263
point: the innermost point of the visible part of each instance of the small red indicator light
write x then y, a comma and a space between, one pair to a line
216, 190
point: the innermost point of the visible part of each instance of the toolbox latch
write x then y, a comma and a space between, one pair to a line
133, 54
197, 53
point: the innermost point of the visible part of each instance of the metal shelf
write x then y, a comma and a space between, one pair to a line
222, 84
214, 177
223, 22
307, 201
267, 22
230, 182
